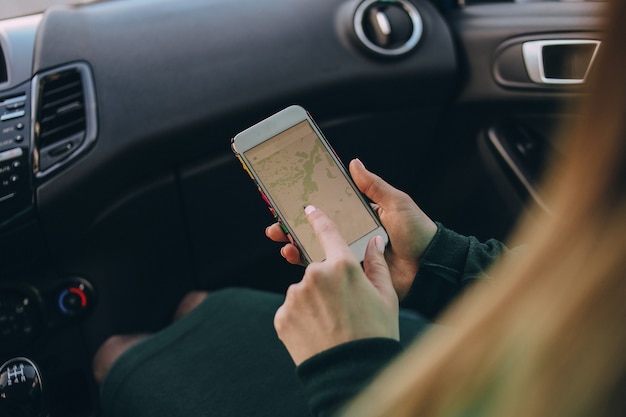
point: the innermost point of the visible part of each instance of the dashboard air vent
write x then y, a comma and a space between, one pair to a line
62, 108
65, 116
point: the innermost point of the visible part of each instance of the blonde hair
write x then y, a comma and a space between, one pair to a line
548, 337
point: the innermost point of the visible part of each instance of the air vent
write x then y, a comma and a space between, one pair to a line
388, 27
65, 116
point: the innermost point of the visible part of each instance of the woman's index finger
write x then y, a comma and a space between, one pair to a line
326, 232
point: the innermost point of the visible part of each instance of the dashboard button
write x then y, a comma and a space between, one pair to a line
10, 154
20, 319
12, 115
13, 106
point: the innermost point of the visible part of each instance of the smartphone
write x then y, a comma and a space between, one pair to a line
293, 166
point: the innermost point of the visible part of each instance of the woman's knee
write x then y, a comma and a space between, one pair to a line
190, 301
116, 345
110, 351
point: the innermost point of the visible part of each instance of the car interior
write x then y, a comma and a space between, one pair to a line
119, 192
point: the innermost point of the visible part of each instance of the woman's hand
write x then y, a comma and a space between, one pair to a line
410, 230
337, 301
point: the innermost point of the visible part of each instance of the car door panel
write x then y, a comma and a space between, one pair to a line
521, 118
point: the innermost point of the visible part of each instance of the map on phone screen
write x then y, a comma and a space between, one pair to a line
298, 170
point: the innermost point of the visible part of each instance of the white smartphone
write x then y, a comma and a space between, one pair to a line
294, 166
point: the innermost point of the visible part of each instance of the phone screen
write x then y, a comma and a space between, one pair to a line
297, 170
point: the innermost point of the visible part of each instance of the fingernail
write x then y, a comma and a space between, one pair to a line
358, 161
309, 209
380, 243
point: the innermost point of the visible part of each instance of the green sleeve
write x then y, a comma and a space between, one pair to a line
333, 377
450, 263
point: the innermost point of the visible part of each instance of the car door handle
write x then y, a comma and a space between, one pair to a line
559, 61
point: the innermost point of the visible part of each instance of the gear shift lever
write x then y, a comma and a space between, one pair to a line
21, 393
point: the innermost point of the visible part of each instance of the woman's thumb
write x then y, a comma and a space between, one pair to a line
370, 184
376, 268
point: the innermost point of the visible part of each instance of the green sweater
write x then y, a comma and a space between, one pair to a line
224, 358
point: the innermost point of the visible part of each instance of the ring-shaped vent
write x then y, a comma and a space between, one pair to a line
388, 27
